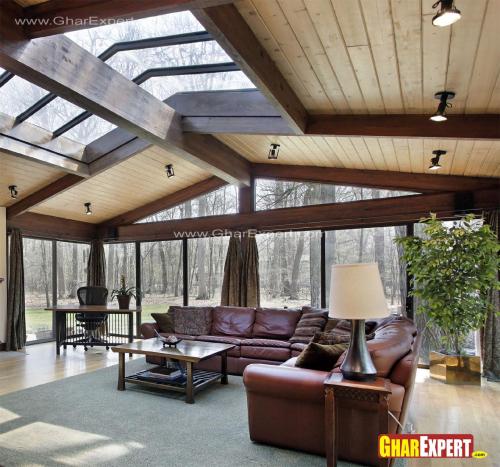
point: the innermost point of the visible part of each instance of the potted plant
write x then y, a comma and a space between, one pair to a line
123, 294
453, 268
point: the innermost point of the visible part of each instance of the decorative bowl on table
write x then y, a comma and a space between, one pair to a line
171, 341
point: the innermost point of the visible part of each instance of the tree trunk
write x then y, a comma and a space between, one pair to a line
163, 262
294, 285
61, 277
201, 257
178, 274
74, 272
44, 273
111, 264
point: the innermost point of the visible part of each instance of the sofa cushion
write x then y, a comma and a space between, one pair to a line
194, 320
235, 352
279, 354
297, 348
320, 357
164, 321
277, 323
232, 321
266, 343
312, 320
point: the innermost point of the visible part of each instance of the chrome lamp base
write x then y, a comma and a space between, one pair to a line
358, 364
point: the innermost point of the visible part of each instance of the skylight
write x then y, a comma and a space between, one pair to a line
17, 95
89, 130
55, 114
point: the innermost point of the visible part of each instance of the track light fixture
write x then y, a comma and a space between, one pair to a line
170, 170
443, 97
435, 160
447, 14
88, 209
13, 191
274, 150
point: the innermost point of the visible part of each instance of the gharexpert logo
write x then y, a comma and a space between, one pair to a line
428, 446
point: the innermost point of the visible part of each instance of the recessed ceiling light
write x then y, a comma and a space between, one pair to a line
447, 14
443, 96
274, 150
13, 191
435, 165
88, 209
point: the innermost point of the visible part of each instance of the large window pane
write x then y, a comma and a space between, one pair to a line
161, 268
72, 261
120, 260
290, 268
17, 95
55, 114
274, 194
206, 257
89, 130
38, 288
370, 245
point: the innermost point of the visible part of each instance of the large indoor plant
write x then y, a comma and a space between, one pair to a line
123, 294
453, 267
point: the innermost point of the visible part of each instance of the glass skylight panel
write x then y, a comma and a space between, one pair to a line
133, 62
17, 95
89, 130
98, 39
165, 86
55, 114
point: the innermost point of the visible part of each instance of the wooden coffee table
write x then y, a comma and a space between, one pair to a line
186, 351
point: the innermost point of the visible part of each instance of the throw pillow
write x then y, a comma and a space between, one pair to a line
313, 320
191, 320
164, 321
320, 357
335, 337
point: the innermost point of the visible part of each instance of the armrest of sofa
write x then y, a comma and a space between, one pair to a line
285, 382
148, 330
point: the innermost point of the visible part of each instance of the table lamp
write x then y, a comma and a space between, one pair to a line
356, 293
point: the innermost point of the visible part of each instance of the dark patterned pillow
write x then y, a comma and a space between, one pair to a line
191, 320
164, 321
320, 357
335, 337
312, 320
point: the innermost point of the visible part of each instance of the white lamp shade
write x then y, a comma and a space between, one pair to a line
356, 292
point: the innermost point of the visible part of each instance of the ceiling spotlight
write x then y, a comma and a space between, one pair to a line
443, 97
274, 150
435, 160
88, 209
447, 14
170, 170
13, 191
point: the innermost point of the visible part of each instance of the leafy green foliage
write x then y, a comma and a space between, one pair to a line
453, 270
123, 290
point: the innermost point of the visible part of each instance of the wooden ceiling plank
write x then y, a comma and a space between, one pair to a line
234, 35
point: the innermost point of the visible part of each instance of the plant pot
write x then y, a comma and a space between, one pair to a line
455, 369
123, 301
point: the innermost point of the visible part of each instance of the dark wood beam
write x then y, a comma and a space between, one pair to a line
45, 193
166, 202
232, 32
78, 12
57, 64
404, 181
375, 212
246, 198
56, 228
485, 126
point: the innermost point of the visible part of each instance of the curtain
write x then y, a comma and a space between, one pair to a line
232, 274
491, 331
16, 318
96, 266
250, 287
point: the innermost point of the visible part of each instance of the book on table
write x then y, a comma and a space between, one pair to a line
161, 373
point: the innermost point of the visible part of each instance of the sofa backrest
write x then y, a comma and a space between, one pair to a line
275, 323
233, 321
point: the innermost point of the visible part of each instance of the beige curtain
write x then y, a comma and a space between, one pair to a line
491, 332
96, 266
232, 274
250, 287
16, 317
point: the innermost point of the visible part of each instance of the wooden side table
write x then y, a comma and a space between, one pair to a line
348, 397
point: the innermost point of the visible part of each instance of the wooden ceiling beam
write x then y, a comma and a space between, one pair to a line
58, 65
235, 36
375, 212
404, 181
77, 13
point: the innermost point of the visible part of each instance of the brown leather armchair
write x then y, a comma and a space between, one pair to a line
286, 405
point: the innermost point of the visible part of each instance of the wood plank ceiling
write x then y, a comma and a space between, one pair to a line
381, 56
28, 176
128, 185
464, 157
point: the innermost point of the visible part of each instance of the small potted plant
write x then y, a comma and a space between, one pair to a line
123, 294
453, 268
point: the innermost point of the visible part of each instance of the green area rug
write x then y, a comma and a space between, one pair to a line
85, 421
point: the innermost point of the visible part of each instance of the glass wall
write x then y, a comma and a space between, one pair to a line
38, 288
370, 245
206, 258
72, 261
290, 268
120, 260
162, 276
